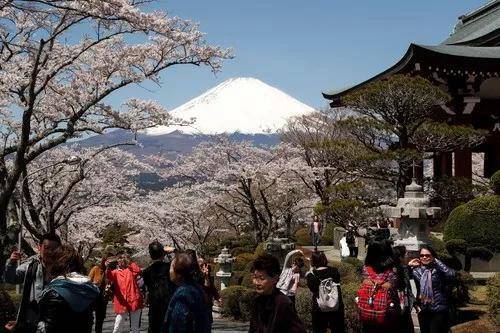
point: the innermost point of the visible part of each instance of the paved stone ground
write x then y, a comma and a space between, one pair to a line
331, 253
219, 326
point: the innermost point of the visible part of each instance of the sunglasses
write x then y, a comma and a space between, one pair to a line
425, 256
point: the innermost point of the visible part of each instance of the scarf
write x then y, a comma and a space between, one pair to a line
426, 294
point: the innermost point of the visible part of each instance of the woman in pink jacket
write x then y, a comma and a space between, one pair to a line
127, 297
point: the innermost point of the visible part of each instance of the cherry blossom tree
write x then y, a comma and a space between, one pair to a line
60, 60
255, 186
182, 216
101, 177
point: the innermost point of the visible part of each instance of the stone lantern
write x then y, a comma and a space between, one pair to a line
225, 262
279, 246
414, 213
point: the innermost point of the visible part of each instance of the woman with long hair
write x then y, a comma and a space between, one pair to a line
66, 302
323, 320
431, 274
378, 299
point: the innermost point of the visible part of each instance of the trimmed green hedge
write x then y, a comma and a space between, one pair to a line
493, 299
349, 293
495, 182
302, 237
348, 272
355, 262
477, 222
259, 250
245, 304
303, 304
7, 309
231, 300
242, 261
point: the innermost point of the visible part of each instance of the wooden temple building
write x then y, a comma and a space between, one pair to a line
467, 66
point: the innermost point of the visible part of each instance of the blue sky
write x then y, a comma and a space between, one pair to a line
303, 47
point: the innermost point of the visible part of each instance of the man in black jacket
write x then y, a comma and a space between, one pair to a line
272, 311
159, 287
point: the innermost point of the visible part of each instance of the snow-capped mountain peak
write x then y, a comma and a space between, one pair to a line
244, 105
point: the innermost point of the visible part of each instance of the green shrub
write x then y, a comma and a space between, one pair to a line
349, 293
302, 237
495, 182
115, 234
238, 244
259, 250
303, 304
246, 241
246, 281
437, 244
459, 288
456, 245
355, 262
231, 300
493, 299
7, 308
327, 238
348, 273
242, 261
238, 250
245, 304
477, 222
236, 278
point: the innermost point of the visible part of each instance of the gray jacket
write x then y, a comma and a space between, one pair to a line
17, 275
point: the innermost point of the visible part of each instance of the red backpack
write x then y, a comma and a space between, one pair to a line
375, 301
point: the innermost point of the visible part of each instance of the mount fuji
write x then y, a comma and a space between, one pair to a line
242, 108
238, 105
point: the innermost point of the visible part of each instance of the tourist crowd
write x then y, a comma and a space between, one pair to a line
179, 290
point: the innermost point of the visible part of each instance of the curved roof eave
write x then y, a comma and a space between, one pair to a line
394, 69
483, 54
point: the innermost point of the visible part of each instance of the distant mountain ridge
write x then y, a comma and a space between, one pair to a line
245, 109
171, 144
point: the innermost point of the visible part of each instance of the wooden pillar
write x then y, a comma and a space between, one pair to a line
463, 163
443, 165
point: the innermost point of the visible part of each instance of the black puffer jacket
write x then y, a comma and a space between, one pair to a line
66, 306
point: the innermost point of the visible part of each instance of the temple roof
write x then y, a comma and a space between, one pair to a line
488, 52
478, 27
440, 55
473, 46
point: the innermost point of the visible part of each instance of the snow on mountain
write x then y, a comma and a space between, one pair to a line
244, 105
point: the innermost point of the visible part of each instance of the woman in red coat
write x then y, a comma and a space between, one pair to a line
127, 295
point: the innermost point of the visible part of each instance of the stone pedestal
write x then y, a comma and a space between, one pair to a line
225, 262
413, 211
